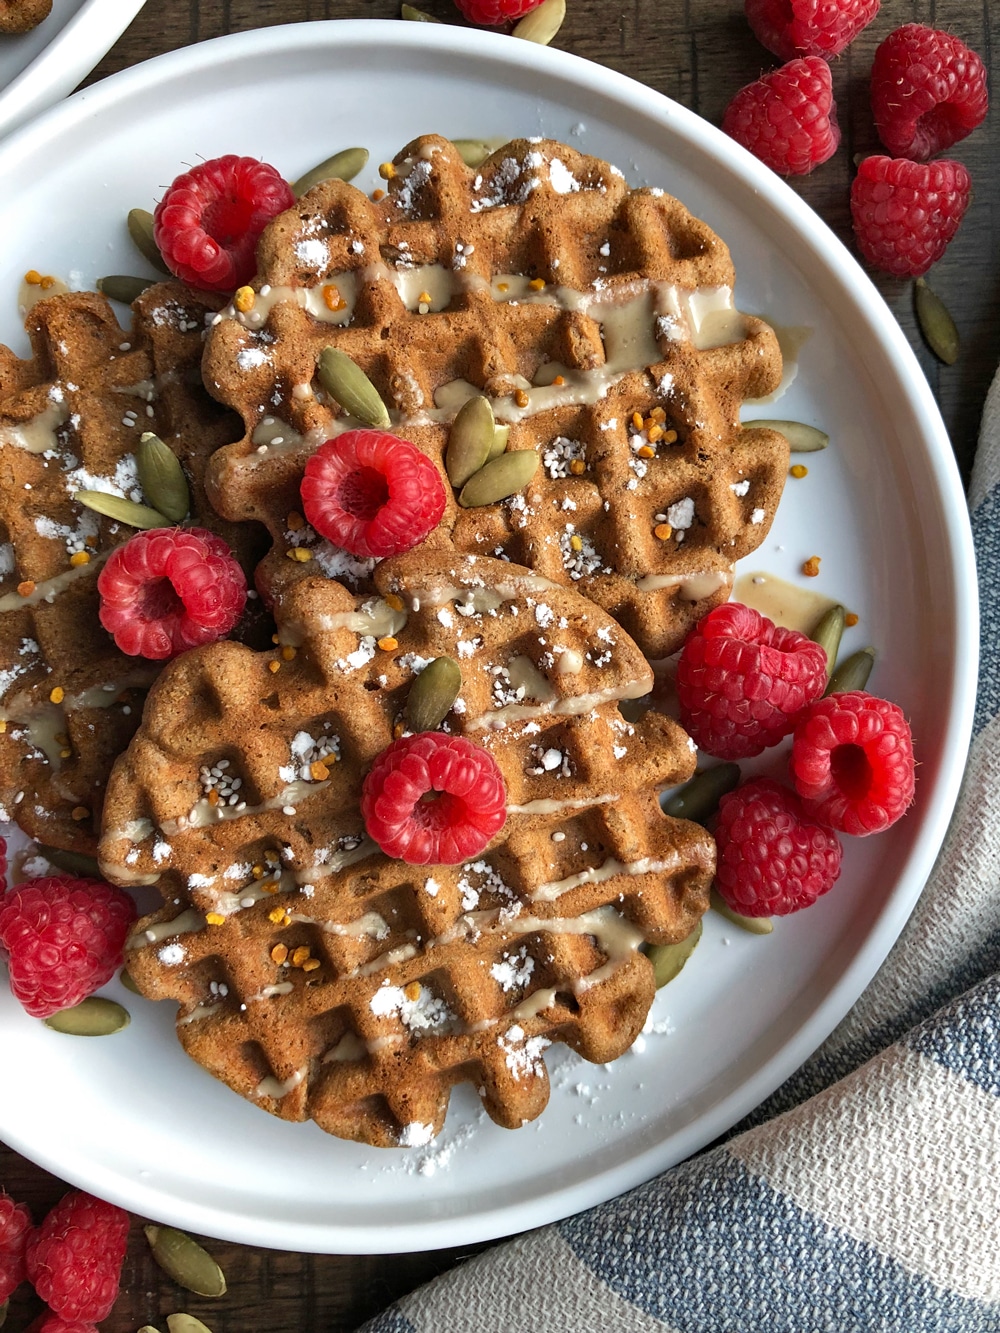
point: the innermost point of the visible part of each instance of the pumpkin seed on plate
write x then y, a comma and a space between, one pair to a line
417, 15
853, 672
343, 166
499, 479
93, 1017
121, 287
668, 959
802, 439
470, 440
162, 478
353, 390
128, 981
699, 799
186, 1323
755, 925
140, 228
183, 1259
3, 1313
542, 24
828, 632
122, 510
74, 863
936, 323
432, 694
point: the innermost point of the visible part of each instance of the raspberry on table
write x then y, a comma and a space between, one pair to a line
170, 589
852, 762
792, 28
209, 221
491, 13
15, 1227
372, 493
75, 1257
742, 681
50, 1322
63, 938
434, 799
928, 91
788, 118
905, 213
772, 858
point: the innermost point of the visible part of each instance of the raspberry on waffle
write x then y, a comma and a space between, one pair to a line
70, 419
598, 320
320, 978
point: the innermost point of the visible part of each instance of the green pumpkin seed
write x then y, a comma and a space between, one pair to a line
699, 799
122, 510
501, 435
853, 672
183, 1259
542, 24
432, 694
162, 478
186, 1323
94, 1017
417, 15
128, 981
3, 1312
120, 287
668, 959
755, 925
148, 1328
802, 439
474, 152
74, 863
828, 633
503, 477
343, 166
353, 390
936, 323
470, 440
140, 228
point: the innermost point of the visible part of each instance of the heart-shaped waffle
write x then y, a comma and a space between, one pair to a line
599, 321
322, 979
70, 419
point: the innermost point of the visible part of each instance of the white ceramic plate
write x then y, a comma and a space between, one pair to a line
131, 1117
39, 67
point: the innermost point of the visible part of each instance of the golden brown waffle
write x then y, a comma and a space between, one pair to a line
542, 264
70, 419
23, 15
321, 979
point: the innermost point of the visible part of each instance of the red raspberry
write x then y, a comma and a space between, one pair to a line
64, 939
741, 681
928, 91
905, 213
75, 1257
15, 1224
372, 493
788, 118
490, 13
409, 820
170, 589
772, 859
209, 221
852, 762
792, 28
54, 1323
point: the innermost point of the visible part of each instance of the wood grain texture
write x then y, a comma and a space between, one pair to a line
698, 52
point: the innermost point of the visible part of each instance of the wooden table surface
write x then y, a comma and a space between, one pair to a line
697, 52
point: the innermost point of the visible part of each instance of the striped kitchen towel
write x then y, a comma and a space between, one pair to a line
865, 1196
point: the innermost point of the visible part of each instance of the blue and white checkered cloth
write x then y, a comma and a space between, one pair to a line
866, 1196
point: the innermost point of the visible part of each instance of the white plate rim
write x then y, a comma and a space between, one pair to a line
877, 322
69, 56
